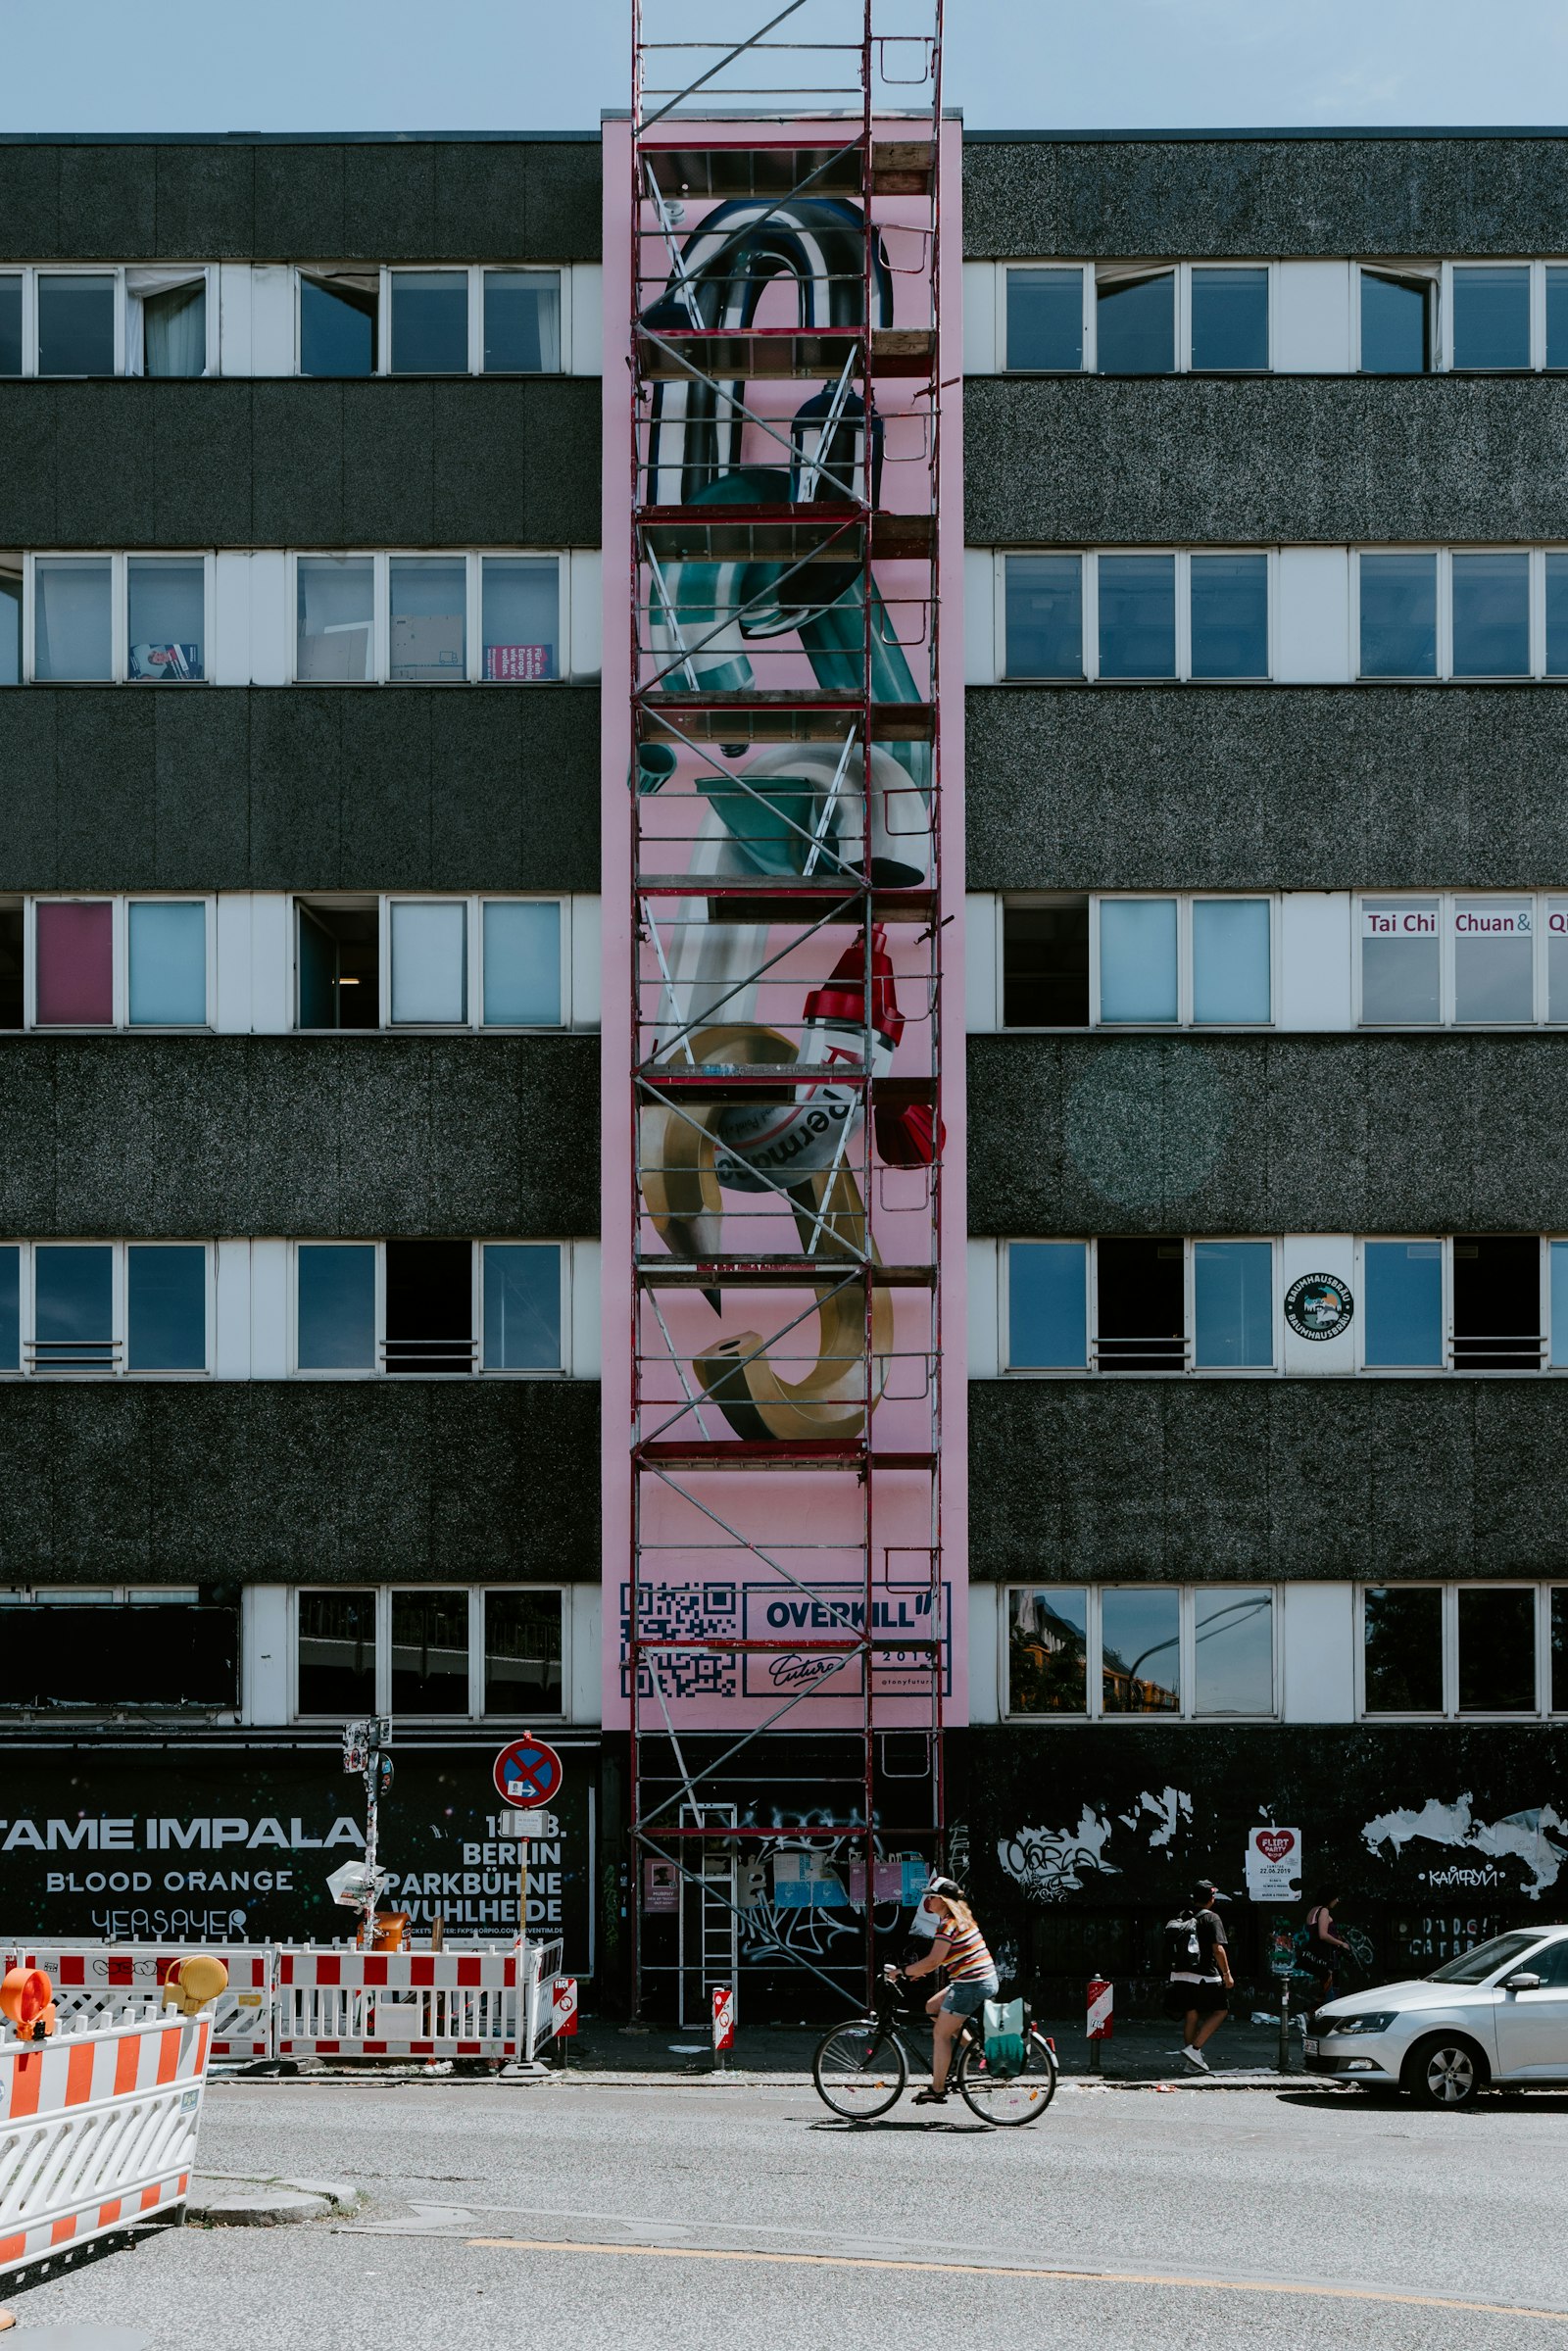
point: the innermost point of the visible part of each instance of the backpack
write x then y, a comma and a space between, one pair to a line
1005, 2047
1183, 1951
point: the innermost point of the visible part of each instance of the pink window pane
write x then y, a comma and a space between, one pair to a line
76, 963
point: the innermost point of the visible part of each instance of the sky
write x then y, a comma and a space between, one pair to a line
553, 65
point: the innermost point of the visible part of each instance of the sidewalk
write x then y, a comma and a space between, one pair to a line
1140, 2052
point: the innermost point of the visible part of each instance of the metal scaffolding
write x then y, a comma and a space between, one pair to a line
785, 882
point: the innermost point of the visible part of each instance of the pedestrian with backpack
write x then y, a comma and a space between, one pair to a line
1198, 1993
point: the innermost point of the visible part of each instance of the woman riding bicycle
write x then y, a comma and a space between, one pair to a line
961, 1949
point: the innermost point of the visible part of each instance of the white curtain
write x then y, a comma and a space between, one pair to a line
166, 321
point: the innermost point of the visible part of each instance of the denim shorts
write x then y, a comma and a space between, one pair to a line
966, 2000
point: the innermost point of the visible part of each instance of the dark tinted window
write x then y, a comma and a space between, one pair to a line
1558, 318
1497, 1650
1136, 325
1492, 316
430, 1652
1045, 318
1395, 324
522, 1651
118, 1655
1403, 1653
1230, 318
337, 1653
1559, 1649
1045, 966
9, 327
1230, 616
9, 967
337, 326
1138, 616
429, 321
1398, 615
1044, 616
75, 325
1492, 616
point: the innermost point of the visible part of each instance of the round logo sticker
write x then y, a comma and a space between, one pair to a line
1319, 1306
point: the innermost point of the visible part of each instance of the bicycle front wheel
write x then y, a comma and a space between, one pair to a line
860, 2069
1007, 2100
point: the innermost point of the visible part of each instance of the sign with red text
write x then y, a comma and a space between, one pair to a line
1274, 1864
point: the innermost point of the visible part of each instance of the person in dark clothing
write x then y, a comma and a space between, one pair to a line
1324, 1945
1198, 1994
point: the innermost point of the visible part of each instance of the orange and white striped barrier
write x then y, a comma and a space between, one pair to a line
104, 1980
97, 2127
350, 2003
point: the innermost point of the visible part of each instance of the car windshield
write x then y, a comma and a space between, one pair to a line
1473, 1967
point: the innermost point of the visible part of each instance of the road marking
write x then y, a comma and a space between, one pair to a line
981, 2268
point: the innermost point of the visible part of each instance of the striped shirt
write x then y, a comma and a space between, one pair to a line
968, 1959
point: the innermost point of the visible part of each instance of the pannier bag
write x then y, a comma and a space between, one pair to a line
1005, 2037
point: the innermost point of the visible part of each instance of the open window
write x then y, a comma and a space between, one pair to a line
1398, 316
339, 322
1044, 963
1496, 1303
429, 1306
338, 963
1135, 321
166, 321
12, 991
1141, 1302
111, 1648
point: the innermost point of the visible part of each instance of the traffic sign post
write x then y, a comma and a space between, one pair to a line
723, 2022
527, 1775
564, 2011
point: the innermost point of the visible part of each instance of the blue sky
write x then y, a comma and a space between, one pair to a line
437, 65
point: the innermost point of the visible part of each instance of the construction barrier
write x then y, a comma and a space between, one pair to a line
351, 2003
97, 2128
541, 1973
100, 1980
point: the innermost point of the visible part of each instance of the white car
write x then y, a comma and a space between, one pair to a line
1496, 2017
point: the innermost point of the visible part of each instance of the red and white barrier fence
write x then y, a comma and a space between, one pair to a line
543, 2001
97, 2128
347, 2003
102, 1981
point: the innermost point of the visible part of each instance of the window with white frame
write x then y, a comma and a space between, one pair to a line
1138, 1303
1144, 616
1462, 958
119, 1649
431, 963
97, 620
1461, 1650
429, 1651
468, 319
90, 319
1119, 1652
106, 963
428, 619
73, 1308
431, 1308
1136, 318
1080, 960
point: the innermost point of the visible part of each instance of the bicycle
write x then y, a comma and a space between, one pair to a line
861, 2069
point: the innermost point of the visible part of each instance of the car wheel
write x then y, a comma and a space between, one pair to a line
1445, 2071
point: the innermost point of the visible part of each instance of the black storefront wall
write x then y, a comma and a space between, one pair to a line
191, 1843
1081, 1840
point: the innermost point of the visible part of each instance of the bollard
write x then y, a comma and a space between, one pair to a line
1098, 2025
723, 2024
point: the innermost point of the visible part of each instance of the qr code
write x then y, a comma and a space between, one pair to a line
683, 1612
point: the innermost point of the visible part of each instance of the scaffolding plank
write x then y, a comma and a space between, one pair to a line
777, 715
669, 352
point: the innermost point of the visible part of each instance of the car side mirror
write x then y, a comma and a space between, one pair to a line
1523, 1982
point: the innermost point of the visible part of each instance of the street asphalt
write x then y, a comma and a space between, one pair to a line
580, 2213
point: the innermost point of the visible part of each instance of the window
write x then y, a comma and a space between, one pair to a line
1462, 1650
1135, 322
11, 324
1137, 960
1230, 319
100, 962
1044, 324
1403, 1649
105, 1307
437, 1651
409, 1307
1231, 960
1496, 1303
1401, 1285
1400, 961
337, 949
521, 978
336, 602
1491, 616
13, 987
1556, 317
1141, 1305
521, 1306
1048, 1305
1203, 1651
490, 962
167, 604
1045, 615
119, 1649
1557, 1302
1493, 960
1396, 323
429, 321
1556, 603
1233, 1305
11, 595
166, 323
522, 322
520, 617
429, 619
1491, 315
1203, 960
338, 322
1557, 1695
1153, 616
74, 617
1137, 616
429, 949
1398, 615
77, 323
1045, 964
1229, 616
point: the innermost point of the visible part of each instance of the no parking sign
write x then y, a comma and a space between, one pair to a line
528, 1772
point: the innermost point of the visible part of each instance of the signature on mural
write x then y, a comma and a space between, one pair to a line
1053, 1863
1537, 1839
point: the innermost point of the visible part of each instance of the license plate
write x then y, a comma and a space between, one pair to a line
1311, 2048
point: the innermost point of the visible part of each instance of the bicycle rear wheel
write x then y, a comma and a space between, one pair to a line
1007, 2100
860, 2069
